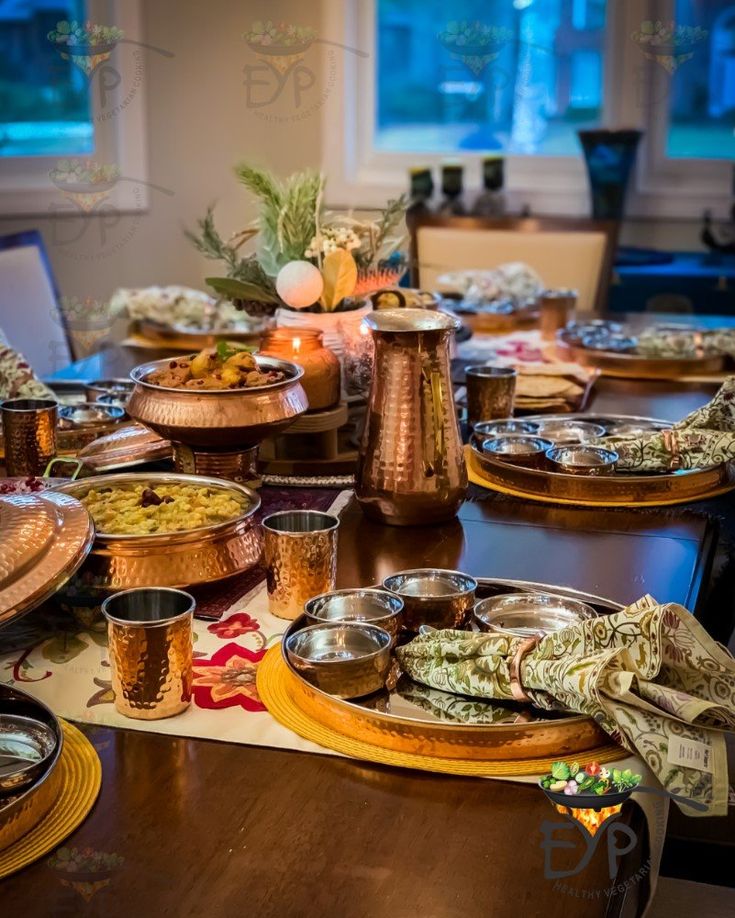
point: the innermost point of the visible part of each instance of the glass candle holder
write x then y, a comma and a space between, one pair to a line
305, 346
358, 358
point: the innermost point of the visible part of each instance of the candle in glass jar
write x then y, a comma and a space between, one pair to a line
305, 346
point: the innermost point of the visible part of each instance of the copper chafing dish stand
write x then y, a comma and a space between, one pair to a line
409, 717
217, 432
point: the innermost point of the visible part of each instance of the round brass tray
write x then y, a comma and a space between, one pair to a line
619, 489
635, 366
414, 718
21, 812
179, 336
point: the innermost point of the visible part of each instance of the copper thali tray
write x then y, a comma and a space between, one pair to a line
636, 366
22, 812
619, 489
181, 336
413, 718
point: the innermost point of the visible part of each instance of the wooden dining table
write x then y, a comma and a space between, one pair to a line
211, 828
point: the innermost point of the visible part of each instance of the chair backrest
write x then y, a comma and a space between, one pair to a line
30, 316
566, 252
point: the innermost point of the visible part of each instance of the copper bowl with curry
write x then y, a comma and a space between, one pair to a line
164, 530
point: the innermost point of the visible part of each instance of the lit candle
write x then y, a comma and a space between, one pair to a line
296, 346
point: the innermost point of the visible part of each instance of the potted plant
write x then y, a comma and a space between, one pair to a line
310, 267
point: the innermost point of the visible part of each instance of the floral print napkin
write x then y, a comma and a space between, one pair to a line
649, 675
17, 379
703, 439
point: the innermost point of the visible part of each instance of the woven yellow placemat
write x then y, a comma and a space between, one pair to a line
80, 773
274, 678
477, 479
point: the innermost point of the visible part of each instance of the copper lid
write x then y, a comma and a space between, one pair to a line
44, 538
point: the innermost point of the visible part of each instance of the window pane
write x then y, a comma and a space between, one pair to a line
699, 53
520, 76
44, 97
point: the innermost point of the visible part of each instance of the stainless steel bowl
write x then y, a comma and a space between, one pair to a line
89, 414
567, 432
26, 746
120, 388
485, 430
434, 597
518, 449
582, 460
378, 607
346, 659
526, 614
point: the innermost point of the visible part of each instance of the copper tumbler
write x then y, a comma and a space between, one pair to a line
151, 651
490, 392
557, 309
29, 431
300, 558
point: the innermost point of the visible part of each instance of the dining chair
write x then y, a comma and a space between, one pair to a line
576, 253
31, 319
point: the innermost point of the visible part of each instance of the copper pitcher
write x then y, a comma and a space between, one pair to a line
411, 466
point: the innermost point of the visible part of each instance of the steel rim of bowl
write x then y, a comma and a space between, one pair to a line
609, 456
165, 478
393, 608
294, 374
583, 610
368, 628
30, 765
501, 421
143, 623
470, 581
267, 522
110, 412
543, 446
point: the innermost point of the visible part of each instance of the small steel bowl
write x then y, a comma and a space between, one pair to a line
582, 460
633, 429
526, 614
89, 414
346, 659
25, 748
120, 388
434, 597
378, 607
518, 449
567, 432
489, 429
617, 343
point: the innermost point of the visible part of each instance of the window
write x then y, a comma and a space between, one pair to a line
44, 96
519, 77
437, 80
72, 105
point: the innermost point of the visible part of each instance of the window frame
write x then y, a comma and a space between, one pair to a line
661, 187
25, 186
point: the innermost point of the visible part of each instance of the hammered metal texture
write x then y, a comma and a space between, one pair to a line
152, 668
30, 440
411, 468
218, 419
44, 538
489, 397
298, 566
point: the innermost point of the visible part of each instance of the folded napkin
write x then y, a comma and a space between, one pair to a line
703, 439
17, 379
650, 676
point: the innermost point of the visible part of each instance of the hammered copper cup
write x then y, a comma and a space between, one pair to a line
151, 651
490, 392
556, 310
300, 558
29, 431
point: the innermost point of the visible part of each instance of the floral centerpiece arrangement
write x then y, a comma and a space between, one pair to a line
306, 258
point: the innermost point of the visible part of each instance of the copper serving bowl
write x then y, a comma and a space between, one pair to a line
218, 419
433, 597
377, 607
191, 557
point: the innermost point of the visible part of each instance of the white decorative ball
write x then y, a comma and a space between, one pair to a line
299, 284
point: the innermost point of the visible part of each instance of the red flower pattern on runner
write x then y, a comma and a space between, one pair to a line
234, 626
228, 679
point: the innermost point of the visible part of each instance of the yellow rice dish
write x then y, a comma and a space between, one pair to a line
143, 509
